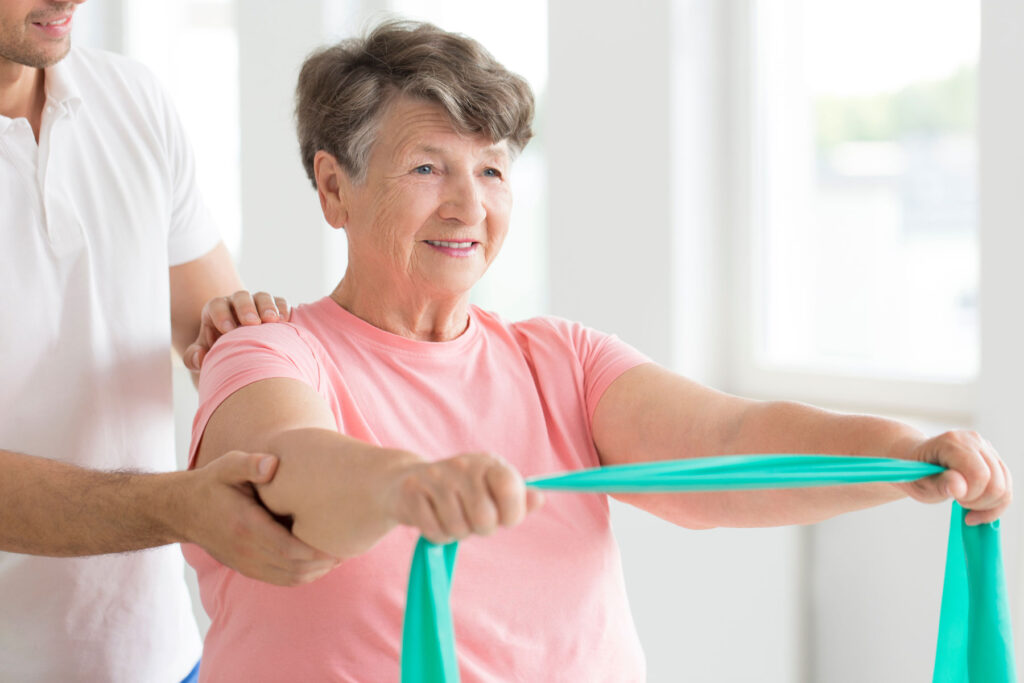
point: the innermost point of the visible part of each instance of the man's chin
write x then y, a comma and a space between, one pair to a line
54, 56
39, 59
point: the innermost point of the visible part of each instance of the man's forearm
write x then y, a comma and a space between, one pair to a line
57, 509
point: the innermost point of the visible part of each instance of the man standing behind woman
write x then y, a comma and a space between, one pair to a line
108, 256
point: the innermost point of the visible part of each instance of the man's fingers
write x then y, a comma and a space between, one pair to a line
193, 356
220, 315
242, 534
282, 549
266, 307
273, 554
282, 308
239, 467
244, 308
286, 550
286, 576
223, 314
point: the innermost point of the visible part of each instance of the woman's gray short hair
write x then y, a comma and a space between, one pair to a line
344, 89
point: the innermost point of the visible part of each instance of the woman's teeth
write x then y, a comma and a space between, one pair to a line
451, 245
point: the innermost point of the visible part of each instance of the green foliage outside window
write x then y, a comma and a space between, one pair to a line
923, 109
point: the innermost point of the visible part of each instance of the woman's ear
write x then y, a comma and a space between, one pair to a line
332, 186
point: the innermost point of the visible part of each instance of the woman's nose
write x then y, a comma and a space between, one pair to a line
463, 201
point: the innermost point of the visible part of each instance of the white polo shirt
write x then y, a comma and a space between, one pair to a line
92, 217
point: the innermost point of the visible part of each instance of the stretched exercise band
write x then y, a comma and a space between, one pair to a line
975, 643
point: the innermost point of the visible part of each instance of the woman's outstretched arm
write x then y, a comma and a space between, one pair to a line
343, 494
649, 413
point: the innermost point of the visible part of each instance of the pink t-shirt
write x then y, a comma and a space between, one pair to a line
541, 602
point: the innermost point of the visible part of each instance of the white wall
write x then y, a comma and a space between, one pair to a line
287, 247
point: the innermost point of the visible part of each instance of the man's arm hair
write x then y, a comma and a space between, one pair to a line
61, 510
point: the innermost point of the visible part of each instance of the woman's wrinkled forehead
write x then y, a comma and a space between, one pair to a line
412, 126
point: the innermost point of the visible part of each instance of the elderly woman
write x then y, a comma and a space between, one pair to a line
398, 409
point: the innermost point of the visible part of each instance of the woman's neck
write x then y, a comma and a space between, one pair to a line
414, 316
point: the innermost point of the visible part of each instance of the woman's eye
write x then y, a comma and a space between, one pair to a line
492, 173
425, 169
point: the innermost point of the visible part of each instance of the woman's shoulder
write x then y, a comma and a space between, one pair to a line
249, 345
295, 337
540, 324
549, 331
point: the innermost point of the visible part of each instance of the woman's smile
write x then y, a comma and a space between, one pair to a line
459, 249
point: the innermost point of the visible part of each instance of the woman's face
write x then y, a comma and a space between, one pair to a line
433, 210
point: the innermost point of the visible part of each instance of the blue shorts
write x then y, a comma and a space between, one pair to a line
193, 676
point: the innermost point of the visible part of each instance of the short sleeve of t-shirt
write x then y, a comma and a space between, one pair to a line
247, 355
192, 230
602, 357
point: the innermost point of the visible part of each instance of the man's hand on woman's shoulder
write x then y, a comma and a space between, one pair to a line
224, 313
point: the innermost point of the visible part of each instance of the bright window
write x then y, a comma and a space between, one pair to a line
864, 216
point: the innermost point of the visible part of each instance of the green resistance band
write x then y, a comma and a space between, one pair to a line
975, 643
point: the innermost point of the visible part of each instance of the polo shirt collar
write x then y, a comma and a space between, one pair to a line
60, 88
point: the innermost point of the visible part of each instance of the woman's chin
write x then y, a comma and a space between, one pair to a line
453, 285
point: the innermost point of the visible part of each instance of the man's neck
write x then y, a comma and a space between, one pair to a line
22, 94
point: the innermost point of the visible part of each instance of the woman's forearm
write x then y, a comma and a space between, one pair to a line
652, 414
335, 488
975, 475
345, 495
786, 427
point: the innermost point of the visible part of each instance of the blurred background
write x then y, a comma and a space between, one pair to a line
815, 200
